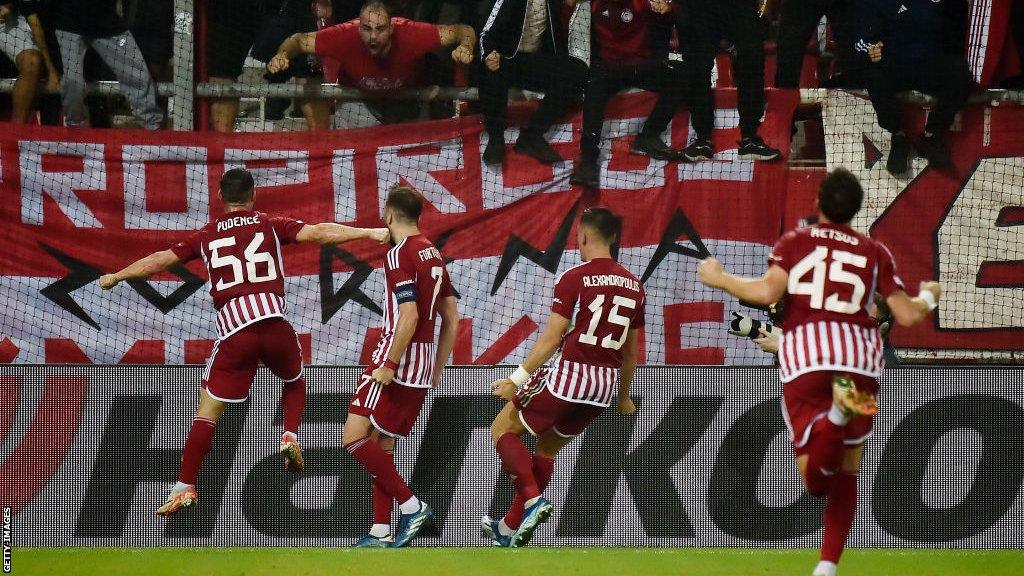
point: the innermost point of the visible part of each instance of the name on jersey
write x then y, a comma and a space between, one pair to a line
831, 234
230, 223
429, 254
611, 280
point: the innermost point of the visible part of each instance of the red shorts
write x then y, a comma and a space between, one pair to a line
392, 409
807, 399
232, 364
540, 411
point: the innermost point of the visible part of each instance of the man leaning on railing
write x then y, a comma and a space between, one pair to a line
380, 54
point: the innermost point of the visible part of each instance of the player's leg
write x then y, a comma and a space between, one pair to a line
548, 445
281, 352
515, 456
197, 446
382, 502
392, 410
840, 509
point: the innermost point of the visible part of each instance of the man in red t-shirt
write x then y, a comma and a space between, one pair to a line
631, 50
596, 315
242, 254
376, 52
830, 355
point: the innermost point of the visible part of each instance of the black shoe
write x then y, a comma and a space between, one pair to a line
898, 163
754, 148
586, 174
699, 149
933, 149
652, 146
532, 144
494, 152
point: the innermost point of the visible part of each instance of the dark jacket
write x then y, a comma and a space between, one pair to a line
90, 18
911, 30
505, 25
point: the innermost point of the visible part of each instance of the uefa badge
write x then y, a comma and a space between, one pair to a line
627, 15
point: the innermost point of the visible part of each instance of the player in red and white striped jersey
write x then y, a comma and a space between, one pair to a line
830, 354
597, 311
242, 253
404, 366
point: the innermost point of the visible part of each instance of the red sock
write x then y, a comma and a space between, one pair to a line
840, 508
824, 456
383, 505
197, 446
381, 466
293, 402
543, 469
518, 463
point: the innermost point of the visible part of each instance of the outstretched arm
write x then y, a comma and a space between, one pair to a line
460, 36
909, 311
449, 313
141, 268
543, 349
762, 291
331, 233
301, 43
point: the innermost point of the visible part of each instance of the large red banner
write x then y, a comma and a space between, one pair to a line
84, 202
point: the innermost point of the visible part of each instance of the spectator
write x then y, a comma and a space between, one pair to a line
238, 26
23, 41
797, 22
152, 25
915, 45
631, 37
379, 54
704, 24
97, 24
1017, 32
520, 47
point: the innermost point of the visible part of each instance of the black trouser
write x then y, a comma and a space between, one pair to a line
662, 76
560, 77
707, 23
797, 22
944, 76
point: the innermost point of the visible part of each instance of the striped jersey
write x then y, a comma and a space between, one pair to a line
414, 271
834, 273
604, 301
242, 253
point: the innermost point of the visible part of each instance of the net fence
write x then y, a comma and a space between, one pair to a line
704, 462
89, 201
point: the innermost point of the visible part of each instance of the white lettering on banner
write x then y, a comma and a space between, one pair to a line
60, 186
650, 176
343, 183
416, 164
726, 164
196, 187
497, 193
294, 171
970, 225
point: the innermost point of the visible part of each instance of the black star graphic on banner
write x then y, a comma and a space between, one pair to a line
331, 301
167, 303
60, 291
678, 225
871, 152
547, 259
439, 244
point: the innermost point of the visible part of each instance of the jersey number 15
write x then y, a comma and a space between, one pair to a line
597, 312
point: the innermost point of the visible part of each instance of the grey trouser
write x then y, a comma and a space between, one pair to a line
121, 54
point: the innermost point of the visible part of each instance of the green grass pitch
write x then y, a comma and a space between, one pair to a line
493, 562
